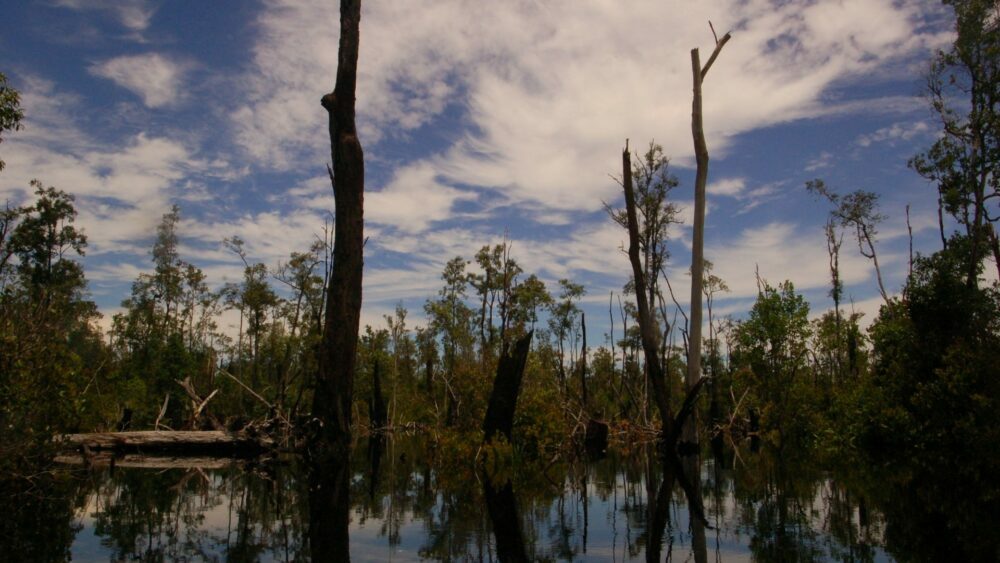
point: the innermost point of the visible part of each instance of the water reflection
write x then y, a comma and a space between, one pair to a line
400, 500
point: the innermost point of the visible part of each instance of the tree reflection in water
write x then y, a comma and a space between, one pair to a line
401, 500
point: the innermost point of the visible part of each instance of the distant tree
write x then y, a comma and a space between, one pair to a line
451, 319
168, 274
528, 298
772, 346
43, 238
857, 210
11, 113
495, 285
255, 299
563, 321
427, 346
165, 332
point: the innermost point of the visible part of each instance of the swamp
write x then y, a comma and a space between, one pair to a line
353, 370
403, 505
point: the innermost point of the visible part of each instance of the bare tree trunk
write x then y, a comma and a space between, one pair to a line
337, 353
874, 258
690, 433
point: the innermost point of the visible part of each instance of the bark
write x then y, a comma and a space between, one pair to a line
647, 329
698, 242
338, 351
506, 388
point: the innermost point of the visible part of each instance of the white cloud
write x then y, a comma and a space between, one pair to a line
122, 188
153, 77
411, 202
780, 251
730, 187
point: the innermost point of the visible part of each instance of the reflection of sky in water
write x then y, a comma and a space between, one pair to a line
199, 523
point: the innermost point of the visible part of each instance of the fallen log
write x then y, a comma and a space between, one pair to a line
206, 441
105, 459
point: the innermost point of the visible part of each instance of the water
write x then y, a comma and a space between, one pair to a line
406, 502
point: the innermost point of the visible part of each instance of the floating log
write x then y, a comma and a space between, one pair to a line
207, 441
105, 459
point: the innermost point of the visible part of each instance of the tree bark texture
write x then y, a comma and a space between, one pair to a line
647, 329
506, 388
338, 351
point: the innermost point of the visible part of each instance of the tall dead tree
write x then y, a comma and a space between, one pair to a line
584, 400
506, 389
338, 349
690, 434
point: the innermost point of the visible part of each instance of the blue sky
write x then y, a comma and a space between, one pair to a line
477, 118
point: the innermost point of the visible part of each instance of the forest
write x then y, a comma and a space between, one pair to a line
503, 379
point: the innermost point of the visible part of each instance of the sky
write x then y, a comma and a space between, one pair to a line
478, 120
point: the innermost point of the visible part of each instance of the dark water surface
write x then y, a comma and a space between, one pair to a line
405, 503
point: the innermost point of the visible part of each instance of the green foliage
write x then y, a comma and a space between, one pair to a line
771, 350
935, 374
963, 86
11, 113
47, 383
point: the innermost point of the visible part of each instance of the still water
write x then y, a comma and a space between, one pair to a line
405, 502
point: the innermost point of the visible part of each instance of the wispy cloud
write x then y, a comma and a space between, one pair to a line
155, 78
133, 14
549, 100
893, 133
824, 160
123, 187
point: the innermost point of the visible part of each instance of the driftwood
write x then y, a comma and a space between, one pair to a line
210, 441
